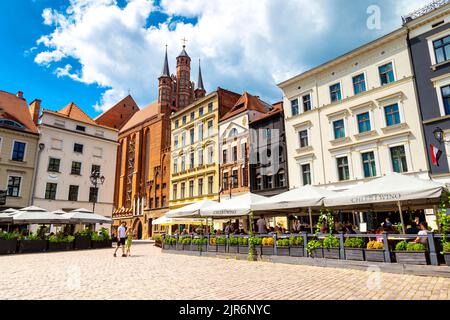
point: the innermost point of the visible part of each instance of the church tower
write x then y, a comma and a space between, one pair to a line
165, 88
184, 91
200, 91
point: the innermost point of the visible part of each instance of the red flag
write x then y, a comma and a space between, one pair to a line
435, 155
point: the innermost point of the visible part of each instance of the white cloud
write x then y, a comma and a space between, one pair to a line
244, 45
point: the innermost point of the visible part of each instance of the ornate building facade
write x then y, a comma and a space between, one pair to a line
143, 157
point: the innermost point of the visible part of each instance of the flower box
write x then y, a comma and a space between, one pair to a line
268, 251
82, 243
374, 255
233, 249
447, 258
60, 246
179, 247
282, 251
8, 246
243, 249
221, 248
355, 254
29, 246
412, 257
187, 247
331, 253
317, 253
297, 251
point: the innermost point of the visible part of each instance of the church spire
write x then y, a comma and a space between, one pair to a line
166, 71
200, 77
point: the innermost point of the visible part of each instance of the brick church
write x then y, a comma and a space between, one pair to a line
143, 157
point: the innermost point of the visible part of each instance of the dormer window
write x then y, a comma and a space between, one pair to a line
11, 123
80, 128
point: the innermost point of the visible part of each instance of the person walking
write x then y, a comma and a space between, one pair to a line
121, 238
129, 241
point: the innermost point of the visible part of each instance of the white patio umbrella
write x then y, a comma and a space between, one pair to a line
235, 207
5, 218
36, 215
165, 221
84, 216
191, 210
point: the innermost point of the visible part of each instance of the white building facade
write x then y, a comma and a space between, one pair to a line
72, 147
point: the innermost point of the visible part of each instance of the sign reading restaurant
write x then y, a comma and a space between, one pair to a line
377, 197
225, 212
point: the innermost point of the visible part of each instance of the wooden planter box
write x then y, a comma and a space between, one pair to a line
331, 253
101, 244
29, 246
200, 248
60, 246
297, 251
355, 254
243, 249
233, 249
82, 243
187, 247
447, 258
374, 255
282, 251
8, 246
179, 247
412, 257
268, 251
221, 248
317, 253
212, 248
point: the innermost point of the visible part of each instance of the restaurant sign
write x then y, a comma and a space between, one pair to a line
377, 197
225, 212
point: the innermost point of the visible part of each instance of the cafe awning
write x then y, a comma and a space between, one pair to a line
36, 215
165, 221
391, 189
234, 207
191, 210
304, 197
84, 216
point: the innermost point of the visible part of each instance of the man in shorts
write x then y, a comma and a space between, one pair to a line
121, 239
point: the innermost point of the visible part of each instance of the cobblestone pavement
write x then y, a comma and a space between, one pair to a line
149, 274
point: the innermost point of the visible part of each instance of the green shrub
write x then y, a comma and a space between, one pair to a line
9, 235
446, 247
234, 241
104, 233
416, 247
221, 241
84, 233
331, 242
170, 240
283, 243
296, 241
256, 241
32, 237
401, 246
354, 243
96, 237
70, 239
313, 244
186, 241
243, 241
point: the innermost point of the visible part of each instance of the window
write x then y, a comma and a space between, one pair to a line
80, 128
183, 190
392, 115
200, 112
335, 92
359, 83
14, 186
224, 156
303, 138
183, 139
210, 184
53, 165
369, 166
280, 155
235, 154
191, 188
364, 122
11, 123
442, 49
175, 192
244, 181
192, 116
200, 186
200, 157
306, 102
281, 180
306, 174
386, 74
243, 150
267, 134
93, 194
192, 161
210, 107
210, 155
18, 153
446, 98
200, 131
175, 141
78, 148
399, 163
269, 182
175, 165
225, 181
234, 179
343, 169
339, 129
76, 168
294, 107
192, 136
56, 144
258, 183
177, 124
210, 128
50, 191
184, 120
95, 168
183, 163
73, 193
164, 202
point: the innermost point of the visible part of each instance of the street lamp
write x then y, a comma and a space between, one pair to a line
96, 180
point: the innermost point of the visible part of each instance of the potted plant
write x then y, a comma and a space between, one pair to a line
199, 244
375, 251
315, 248
170, 243
60, 243
268, 248
354, 249
186, 242
243, 245
296, 247
221, 244
331, 248
32, 243
8, 242
283, 247
158, 241
446, 249
257, 245
83, 239
101, 239
411, 253
212, 244
233, 246
179, 245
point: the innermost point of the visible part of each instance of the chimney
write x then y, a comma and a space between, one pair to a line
19, 94
35, 109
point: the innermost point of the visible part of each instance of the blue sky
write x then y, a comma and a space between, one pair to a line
93, 52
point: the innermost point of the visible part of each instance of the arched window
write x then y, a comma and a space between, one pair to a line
233, 133
11, 123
